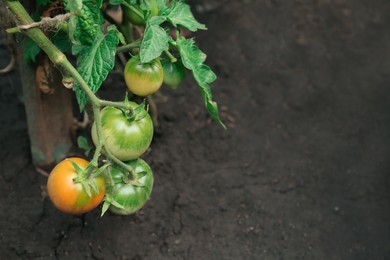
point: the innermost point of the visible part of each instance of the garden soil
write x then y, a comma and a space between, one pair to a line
302, 172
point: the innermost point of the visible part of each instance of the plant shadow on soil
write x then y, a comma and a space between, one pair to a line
301, 173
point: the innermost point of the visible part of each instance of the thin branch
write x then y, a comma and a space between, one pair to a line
128, 47
171, 57
45, 23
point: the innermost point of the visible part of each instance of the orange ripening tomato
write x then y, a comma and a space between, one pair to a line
70, 196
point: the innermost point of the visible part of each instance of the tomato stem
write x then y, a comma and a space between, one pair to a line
170, 55
102, 141
135, 10
128, 47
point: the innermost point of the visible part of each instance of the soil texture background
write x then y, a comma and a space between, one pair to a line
301, 173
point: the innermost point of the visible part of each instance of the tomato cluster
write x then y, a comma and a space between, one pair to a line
75, 187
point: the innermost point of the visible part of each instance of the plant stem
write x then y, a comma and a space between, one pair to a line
170, 55
121, 105
62, 63
135, 10
128, 47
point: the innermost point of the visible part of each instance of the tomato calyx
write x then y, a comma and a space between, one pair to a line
87, 177
136, 114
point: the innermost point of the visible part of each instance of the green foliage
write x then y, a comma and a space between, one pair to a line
83, 143
31, 51
193, 58
96, 51
86, 24
179, 13
95, 62
61, 40
154, 42
40, 3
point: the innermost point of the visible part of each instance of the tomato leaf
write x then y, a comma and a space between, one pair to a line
31, 51
61, 40
82, 143
87, 22
179, 13
155, 40
193, 58
95, 62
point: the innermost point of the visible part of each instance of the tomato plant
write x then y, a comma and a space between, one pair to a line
126, 136
143, 79
126, 195
121, 131
174, 74
69, 190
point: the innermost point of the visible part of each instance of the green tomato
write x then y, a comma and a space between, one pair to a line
127, 138
131, 195
174, 74
135, 16
143, 79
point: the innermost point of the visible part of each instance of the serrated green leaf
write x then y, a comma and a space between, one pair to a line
179, 13
193, 58
203, 73
86, 24
95, 62
31, 51
155, 41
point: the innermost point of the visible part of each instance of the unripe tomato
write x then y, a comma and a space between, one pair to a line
69, 196
131, 195
127, 138
143, 79
134, 17
174, 74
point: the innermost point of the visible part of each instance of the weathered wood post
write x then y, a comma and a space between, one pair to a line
49, 110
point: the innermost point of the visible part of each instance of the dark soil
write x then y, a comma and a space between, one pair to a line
301, 173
